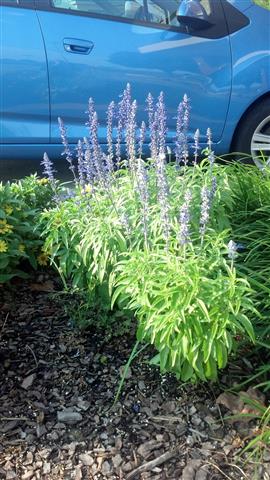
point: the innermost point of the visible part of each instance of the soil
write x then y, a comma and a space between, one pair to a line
58, 419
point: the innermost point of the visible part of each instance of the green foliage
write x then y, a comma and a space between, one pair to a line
263, 3
20, 205
190, 301
189, 307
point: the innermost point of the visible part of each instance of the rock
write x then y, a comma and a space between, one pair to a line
86, 459
189, 472
127, 467
11, 475
180, 429
78, 473
83, 405
69, 417
46, 468
117, 460
28, 381
128, 372
169, 406
196, 420
41, 430
192, 410
53, 436
29, 459
106, 468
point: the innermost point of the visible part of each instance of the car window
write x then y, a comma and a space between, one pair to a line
150, 11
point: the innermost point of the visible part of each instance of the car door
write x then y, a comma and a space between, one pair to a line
24, 99
95, 47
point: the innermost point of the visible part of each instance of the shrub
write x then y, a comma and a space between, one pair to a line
20, 205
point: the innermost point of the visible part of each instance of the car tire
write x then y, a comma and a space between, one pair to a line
252, 132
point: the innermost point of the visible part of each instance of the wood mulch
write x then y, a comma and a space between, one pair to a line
57, 418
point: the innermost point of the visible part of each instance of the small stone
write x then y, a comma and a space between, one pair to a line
46, 468
127, 374
106, 468
44, 453
192, 410
86, 459
180, 429
11, 475
41, 430
53, 436
69, 417
196, 420
60, 426
127, 467
118, 443
78, 473
117, 460
29, 459
83, 405
28, 381
169, 406
141, 385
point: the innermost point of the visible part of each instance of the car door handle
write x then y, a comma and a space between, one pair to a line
74, 45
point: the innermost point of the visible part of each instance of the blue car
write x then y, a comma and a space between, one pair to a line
55, 54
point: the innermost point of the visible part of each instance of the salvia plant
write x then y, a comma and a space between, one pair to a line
161, 239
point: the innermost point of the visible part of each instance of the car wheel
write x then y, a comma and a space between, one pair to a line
252, 137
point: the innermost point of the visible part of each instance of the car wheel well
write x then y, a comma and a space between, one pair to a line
243, 117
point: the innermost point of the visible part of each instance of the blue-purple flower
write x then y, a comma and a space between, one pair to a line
184, 219
67, 151
205, 210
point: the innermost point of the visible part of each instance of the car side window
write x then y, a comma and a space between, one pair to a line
150, 11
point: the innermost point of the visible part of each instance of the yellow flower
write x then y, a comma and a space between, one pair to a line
3, 246
42, 259
21, 248
43, 181
8, 209
5, 227
87, 189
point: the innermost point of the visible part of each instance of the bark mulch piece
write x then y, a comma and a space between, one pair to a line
57, 418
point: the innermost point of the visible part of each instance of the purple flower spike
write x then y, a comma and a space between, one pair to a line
110, 155
142, 184
48, 168
184, 219
88, 162
211, 155
196, 146
152, 123
232, 250
67, 151
97, 153
141, 139
162, 125
124, 107
182, 125
131, 137
163, 196
81, 164
90, 112
205, 210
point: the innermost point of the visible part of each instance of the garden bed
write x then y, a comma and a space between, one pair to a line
159, 429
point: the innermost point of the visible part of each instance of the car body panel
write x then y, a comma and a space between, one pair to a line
221, 76
251, 68
25, 111
151, 60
